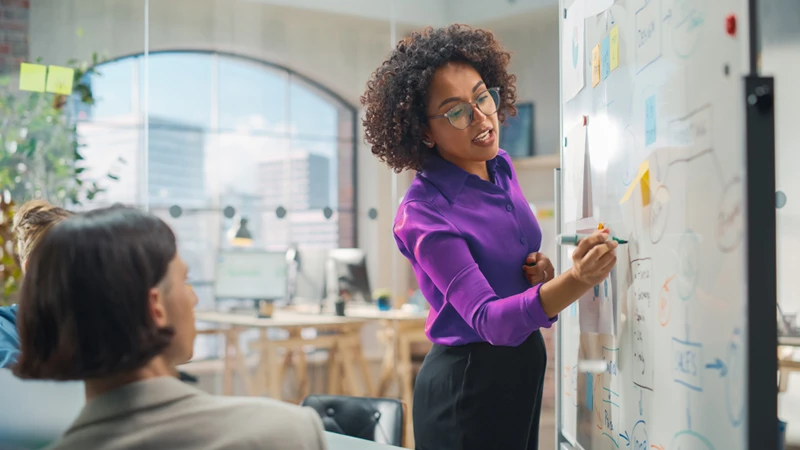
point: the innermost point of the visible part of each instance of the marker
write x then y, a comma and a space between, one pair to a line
575, 239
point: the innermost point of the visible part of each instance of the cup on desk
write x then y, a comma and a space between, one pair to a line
339, 307
265, 309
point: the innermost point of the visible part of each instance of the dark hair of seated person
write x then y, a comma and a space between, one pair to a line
83, 312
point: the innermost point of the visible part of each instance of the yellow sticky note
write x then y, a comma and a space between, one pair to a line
644, 182
79, 32
596, 65
59, 80
643, 173
32, 77
614, 38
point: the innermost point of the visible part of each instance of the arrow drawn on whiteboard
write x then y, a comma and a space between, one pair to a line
627, 439
718, 365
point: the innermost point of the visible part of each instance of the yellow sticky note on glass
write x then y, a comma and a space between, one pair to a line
59, 80
644, 182
32, 77
596, 65
614, 38
642, 177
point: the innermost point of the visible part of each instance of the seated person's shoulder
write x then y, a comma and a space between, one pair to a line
284, 424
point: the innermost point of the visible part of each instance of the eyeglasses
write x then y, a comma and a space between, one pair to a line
461, 115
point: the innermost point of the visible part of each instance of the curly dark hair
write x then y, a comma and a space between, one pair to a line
396, 92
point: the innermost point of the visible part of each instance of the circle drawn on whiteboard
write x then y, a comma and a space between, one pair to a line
689, 17
372, 213
780, 199
639, 436
690, 440
280, 212
688, 265
659, 213
730, 218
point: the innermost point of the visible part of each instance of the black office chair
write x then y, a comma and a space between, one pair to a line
379, 420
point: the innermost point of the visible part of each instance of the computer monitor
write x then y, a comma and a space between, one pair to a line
250, 275
347, 271
307, 280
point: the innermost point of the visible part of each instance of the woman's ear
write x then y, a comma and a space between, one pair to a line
427, 140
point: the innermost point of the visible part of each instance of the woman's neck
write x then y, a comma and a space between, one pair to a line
157, 367
477, 168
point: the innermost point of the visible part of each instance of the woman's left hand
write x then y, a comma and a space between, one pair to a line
538, 269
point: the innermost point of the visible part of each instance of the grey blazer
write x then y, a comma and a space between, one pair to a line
164, 413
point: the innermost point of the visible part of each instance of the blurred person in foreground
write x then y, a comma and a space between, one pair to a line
105, 301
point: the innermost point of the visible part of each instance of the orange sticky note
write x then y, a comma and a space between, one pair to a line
32, 77
596, 65
59, 79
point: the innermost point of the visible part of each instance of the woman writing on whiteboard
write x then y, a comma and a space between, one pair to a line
435, 106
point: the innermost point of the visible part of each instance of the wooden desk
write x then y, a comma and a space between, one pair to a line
339, 335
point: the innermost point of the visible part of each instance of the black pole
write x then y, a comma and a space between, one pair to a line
762, 292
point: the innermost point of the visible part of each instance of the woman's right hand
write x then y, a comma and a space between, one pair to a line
594, 258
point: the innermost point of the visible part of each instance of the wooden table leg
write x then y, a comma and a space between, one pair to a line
334, 371
303, 386
362, 363
388, 367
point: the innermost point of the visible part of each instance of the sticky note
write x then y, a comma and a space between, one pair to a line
589, 391
59, 80
644, 182
613, 38
596, 65
605, 58
650, 120
79, 32
644, 169
32, 77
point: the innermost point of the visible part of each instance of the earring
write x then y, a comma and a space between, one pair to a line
427, 142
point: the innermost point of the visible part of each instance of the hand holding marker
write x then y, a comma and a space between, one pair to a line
575, 239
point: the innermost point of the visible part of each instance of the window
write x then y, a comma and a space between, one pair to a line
222, 131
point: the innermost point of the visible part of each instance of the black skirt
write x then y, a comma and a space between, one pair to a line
480, 397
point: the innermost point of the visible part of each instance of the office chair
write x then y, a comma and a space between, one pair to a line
380, 420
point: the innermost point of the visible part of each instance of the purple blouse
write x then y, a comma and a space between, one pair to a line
467, 240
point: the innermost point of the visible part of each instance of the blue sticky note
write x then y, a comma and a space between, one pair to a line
573, 309
650, 120
605, 58
589, 391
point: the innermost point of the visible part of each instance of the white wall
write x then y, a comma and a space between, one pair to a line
337, 51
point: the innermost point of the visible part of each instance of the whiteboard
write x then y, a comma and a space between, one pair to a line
660, 160
256, 275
